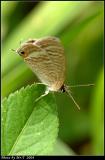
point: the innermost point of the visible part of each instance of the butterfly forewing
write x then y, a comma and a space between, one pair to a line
48, 63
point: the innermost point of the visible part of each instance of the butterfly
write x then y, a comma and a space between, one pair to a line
45, 57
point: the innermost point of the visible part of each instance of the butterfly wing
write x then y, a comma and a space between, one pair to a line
49, 63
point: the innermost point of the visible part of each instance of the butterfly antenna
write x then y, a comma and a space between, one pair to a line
13, 50
82, 85
68, 92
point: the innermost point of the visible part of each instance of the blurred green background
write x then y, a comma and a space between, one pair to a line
79, 25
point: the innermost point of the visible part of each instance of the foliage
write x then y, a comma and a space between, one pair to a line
29, 127
79, 25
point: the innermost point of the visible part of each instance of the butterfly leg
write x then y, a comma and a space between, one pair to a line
46, 93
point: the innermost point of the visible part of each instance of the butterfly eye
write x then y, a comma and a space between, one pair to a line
22, 52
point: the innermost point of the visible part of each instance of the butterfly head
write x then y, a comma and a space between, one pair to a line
23, 51
27, 48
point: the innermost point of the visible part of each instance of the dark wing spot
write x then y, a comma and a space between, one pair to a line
62, 89
31, 41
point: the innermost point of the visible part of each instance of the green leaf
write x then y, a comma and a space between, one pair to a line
62, 148
29, 127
